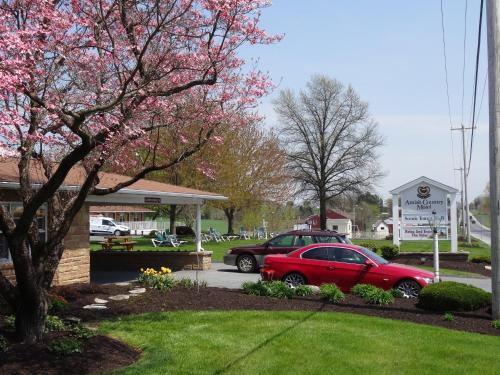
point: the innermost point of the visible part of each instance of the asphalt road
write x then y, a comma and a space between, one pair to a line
480, 232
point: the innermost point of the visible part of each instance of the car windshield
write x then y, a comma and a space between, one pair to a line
372, 255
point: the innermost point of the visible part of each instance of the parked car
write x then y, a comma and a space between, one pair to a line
344, 265
100, 225
250, 258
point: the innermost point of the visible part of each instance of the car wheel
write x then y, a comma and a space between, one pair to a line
294, 279
409, 288
246, 263
117, 233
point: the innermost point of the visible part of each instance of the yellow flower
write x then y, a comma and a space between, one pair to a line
164, 269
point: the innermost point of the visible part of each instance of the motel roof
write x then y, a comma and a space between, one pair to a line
142, 191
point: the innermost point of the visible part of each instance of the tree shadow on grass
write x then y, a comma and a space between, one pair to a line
267, 342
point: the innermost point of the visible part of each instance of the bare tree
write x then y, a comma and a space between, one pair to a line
332, 142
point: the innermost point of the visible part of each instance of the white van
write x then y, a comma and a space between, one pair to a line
100, 225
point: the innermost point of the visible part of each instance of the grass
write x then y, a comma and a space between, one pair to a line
219, 249
427, 246
219, 225
298, 343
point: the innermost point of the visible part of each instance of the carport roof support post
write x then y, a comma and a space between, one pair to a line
198, 227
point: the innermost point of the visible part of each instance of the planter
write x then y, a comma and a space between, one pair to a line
461, 256
117, 260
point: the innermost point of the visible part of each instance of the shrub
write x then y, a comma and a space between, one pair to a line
279, 289
4, 344
495, 324
389, 237
275, 289
54, 323
472, 245
10, 321
362, 290
453, 296
161, 280
447, 317
303, 290
66, 345
378, 296
81, 332
389, 251
57, 303
369, 245
396, 293
331, 293
186, 282
255, 288
481, 259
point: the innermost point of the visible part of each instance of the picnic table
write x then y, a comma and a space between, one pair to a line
118, 242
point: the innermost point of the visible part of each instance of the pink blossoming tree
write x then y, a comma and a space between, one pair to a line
83, 83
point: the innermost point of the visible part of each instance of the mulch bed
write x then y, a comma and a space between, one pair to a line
101, 354
104, 354
232, 299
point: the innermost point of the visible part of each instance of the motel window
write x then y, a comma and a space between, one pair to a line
16, 209
335, 227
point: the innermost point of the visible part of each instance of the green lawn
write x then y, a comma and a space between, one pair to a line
219, 249
244, 342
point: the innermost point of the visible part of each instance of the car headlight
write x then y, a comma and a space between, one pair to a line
428, 280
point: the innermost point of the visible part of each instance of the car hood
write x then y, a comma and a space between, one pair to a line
398, 268
122, 227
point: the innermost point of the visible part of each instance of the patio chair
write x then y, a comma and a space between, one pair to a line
174, 241
215, 236
244, 234
261, 233
160, 240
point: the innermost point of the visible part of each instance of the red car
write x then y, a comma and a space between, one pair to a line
344, 265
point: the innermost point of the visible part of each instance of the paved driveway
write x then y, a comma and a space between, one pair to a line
222, 276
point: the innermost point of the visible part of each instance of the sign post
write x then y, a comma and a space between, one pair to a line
424, 201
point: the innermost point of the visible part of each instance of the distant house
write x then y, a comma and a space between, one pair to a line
335, 220
383, 227
122, 213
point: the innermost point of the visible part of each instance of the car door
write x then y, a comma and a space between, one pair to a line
316, 266
108, 226
348, 267
281, 244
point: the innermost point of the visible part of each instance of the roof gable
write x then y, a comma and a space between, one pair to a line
425, 180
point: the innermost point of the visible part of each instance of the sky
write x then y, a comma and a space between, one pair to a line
391, 52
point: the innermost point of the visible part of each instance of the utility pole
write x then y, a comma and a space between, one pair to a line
462, 205
493, 30
464, 176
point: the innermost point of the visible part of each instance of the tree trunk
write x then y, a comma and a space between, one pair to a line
322, 210
230, 219
173, 215
31, 313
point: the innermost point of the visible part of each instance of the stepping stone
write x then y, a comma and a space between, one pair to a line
120, 297
123, 283
137, 291
95, 306
100, 301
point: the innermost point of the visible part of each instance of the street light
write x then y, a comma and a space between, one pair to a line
434, 225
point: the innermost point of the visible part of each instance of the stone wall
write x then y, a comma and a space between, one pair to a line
117, 260
74, 266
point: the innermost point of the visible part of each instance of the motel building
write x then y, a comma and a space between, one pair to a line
74, 266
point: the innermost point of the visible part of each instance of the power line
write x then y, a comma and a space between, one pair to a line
445, 64
475, 84
463, 64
